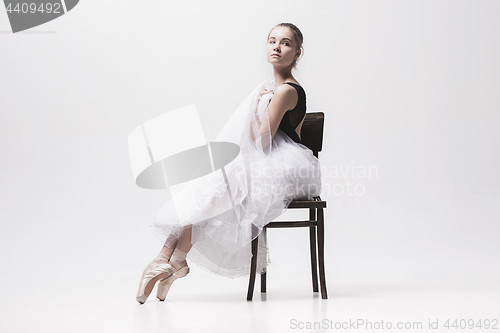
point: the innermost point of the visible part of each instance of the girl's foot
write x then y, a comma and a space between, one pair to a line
158, 269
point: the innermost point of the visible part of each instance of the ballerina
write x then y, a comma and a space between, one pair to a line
221, 214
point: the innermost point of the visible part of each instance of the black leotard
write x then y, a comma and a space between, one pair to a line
292, 118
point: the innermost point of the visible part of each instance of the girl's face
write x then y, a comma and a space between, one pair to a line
281, 48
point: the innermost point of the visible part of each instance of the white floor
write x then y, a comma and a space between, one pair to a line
207, 303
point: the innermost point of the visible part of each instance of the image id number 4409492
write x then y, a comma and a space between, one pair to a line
25, 7
484, 324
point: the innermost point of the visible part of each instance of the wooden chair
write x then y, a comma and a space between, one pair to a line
312, 137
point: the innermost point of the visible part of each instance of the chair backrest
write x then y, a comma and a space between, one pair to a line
311, 132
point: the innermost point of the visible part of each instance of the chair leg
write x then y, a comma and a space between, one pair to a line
253, 269
321, 253
312, 244
263, 276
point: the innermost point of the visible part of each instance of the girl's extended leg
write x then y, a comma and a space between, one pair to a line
184, 243
178, 258
167, 251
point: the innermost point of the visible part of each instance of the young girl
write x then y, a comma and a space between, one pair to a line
216, 217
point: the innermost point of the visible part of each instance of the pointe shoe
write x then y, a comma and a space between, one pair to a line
154, 271
164, 284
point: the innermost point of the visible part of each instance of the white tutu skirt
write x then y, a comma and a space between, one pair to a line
229, 207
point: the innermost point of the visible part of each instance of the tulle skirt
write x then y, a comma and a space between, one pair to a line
229, 207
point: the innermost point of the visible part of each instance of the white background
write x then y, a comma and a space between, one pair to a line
410, 88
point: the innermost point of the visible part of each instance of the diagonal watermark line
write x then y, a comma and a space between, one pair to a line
63, 3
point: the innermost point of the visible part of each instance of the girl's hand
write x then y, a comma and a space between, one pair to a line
263, 91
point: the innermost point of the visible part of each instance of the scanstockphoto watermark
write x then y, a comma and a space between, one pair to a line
366, 324
355, 324
263, 188
332, 179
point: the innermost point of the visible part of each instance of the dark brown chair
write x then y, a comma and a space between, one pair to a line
312, 137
